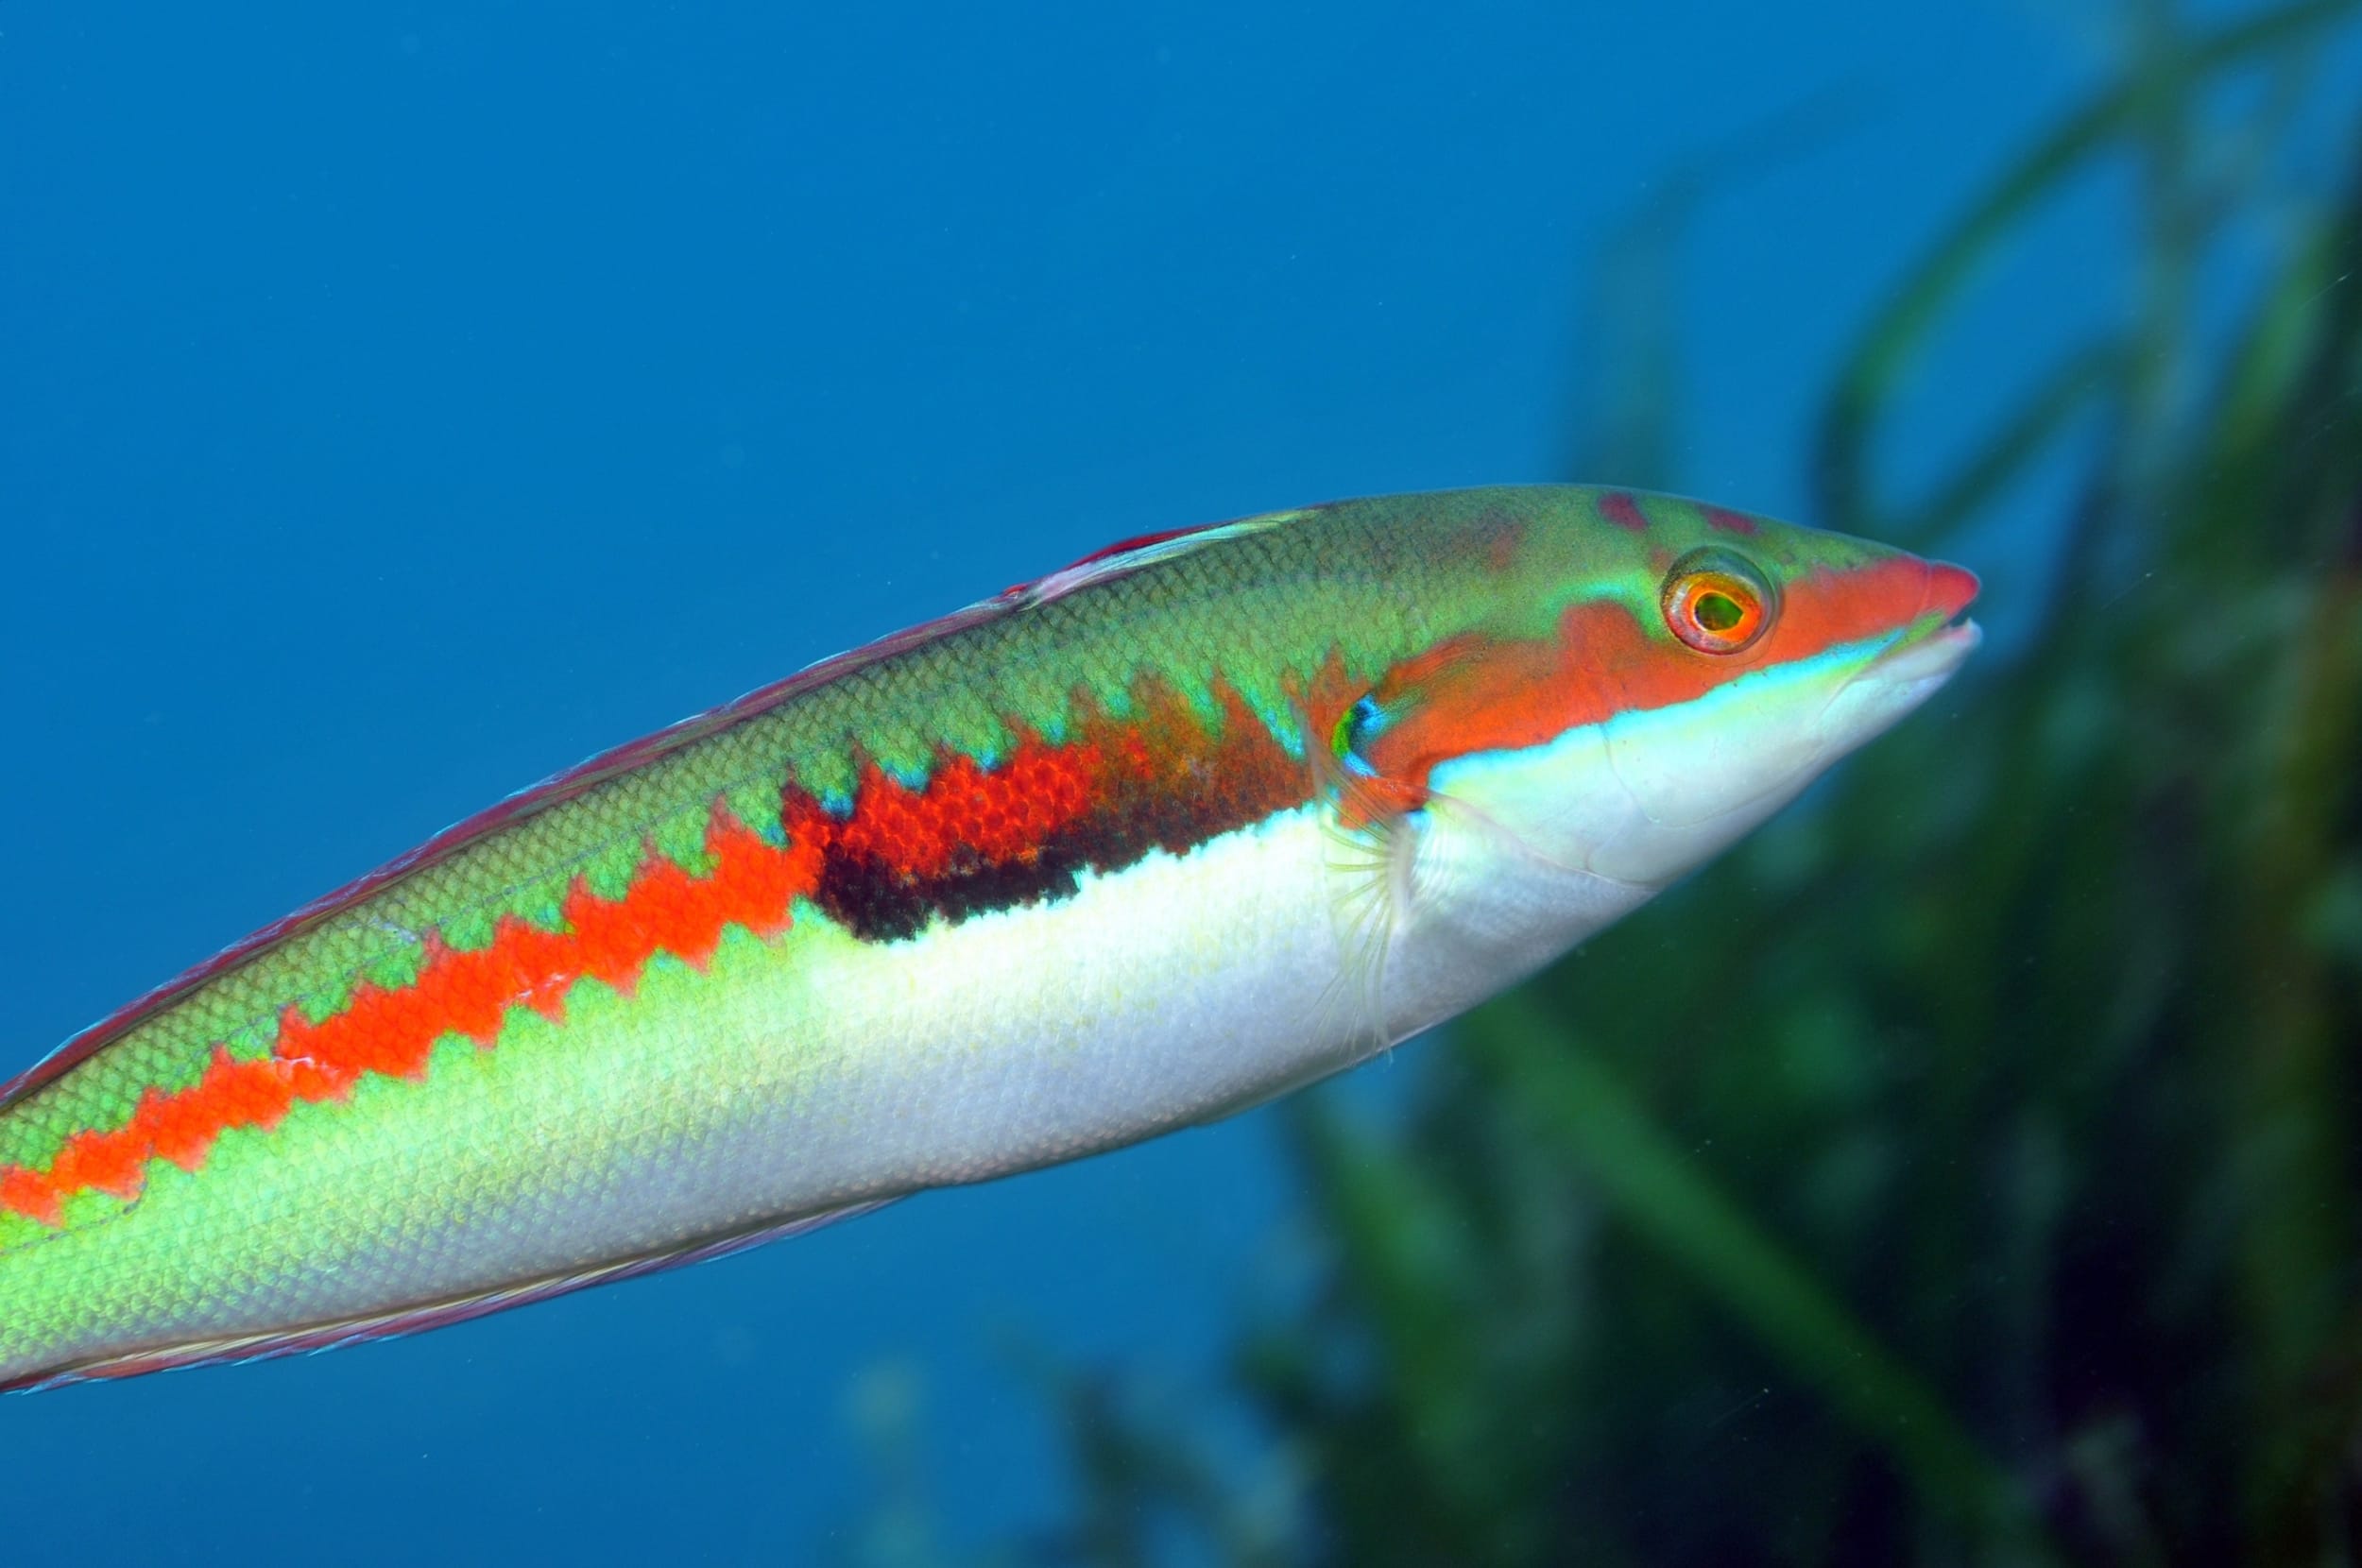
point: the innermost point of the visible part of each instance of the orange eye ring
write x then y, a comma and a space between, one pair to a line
1716, 603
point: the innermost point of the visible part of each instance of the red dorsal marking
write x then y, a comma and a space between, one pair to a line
1137, 541
1623, 511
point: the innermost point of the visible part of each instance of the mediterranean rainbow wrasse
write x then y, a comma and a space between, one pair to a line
1199, 819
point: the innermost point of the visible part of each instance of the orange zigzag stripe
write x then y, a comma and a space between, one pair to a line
392, 1031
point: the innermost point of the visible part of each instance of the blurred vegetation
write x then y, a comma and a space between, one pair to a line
1965, 1170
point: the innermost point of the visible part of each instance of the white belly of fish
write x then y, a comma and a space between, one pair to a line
1174, 991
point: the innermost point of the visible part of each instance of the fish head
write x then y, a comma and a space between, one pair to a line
1660, 678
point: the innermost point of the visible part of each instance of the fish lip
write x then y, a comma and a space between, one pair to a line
1930, 657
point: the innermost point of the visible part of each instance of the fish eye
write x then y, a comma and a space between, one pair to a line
1717, 602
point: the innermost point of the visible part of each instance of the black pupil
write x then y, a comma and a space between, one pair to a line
1719, 612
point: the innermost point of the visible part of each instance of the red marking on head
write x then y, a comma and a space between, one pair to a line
1727, 521
1473, 694
1623, 511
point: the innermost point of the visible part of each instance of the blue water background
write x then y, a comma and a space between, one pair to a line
397, 401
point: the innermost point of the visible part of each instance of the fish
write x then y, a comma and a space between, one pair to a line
1199, 819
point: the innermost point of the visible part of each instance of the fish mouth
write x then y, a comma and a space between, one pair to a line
1930, 657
